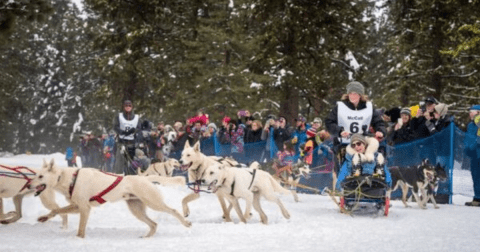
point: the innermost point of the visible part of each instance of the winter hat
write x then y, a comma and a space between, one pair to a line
355, 87
301, 118
431, 100
139, 153
212, 125
393, 113
406, 111
226, 119
358, 138
441, 109
475, 107
317, 120
127, 102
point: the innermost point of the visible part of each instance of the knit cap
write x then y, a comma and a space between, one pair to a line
441, 109
355, 87
406, 111
475, 107
358, 138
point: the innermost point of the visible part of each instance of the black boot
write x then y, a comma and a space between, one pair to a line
356, 170
378, 171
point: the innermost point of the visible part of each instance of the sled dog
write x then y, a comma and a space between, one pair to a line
415, 177
440, 175
195, 162
164, 169
14, 182
292, 181
88, 187
247, 183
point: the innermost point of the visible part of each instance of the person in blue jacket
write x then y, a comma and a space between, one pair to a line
362, 158
472, 150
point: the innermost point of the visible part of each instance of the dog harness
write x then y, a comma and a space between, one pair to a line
17, 173
99, 196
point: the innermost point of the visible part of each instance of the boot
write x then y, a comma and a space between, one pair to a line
474, 202
378, 171
356, 170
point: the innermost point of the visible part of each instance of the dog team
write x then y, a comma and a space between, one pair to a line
85, 188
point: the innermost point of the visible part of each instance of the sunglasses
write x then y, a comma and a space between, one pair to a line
356, 144
128, 105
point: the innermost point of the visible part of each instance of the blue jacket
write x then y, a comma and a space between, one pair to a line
472, 141
368, 168
69, 154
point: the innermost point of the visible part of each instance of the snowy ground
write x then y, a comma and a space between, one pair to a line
315, 225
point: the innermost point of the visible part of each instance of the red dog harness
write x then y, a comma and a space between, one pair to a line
16, 173
99, 196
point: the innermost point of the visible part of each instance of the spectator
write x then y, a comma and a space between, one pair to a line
269, 127
109, 151
125, 125
299, 136
315, 137
403, 131
254, 132
95, 150
472, 150
157, 137
211, 130
283, 165
69, 156
441, 118
391, 118
280, 133
140, 161
182, 137
424, 120
233, 134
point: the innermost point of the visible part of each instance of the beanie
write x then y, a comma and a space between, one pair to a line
475, 107
139, 153
441, 109
355, 87
358, 138
406, 111
127, 102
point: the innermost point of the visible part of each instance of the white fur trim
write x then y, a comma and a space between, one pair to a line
372, 147
356, 159
380, 159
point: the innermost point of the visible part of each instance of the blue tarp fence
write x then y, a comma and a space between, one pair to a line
445, 148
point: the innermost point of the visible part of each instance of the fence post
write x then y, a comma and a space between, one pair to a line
451, 161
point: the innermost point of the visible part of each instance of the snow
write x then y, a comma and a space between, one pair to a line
315, 225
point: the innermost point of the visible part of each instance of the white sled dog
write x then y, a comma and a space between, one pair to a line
14, 182
195, 162
164, 169
89, 187
247, 183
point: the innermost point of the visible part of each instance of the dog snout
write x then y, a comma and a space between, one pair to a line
203, 181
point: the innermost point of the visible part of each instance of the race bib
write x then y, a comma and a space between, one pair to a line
354, 121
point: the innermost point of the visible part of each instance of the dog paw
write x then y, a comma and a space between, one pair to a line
187, 224
43, 218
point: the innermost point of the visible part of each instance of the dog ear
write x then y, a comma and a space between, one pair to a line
196, 146
44, 165
51, 165
187, 145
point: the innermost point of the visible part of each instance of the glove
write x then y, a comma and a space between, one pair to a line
128, 132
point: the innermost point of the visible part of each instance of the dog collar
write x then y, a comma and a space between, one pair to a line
74, 181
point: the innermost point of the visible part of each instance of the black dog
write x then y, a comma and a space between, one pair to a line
440, 175
416, 177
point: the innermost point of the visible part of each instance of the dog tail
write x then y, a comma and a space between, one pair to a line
167, 181
277, 187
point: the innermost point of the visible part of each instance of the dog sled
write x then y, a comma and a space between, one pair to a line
365, 195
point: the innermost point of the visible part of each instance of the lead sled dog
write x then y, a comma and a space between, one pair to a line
195, 162
14, 182
87, 187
